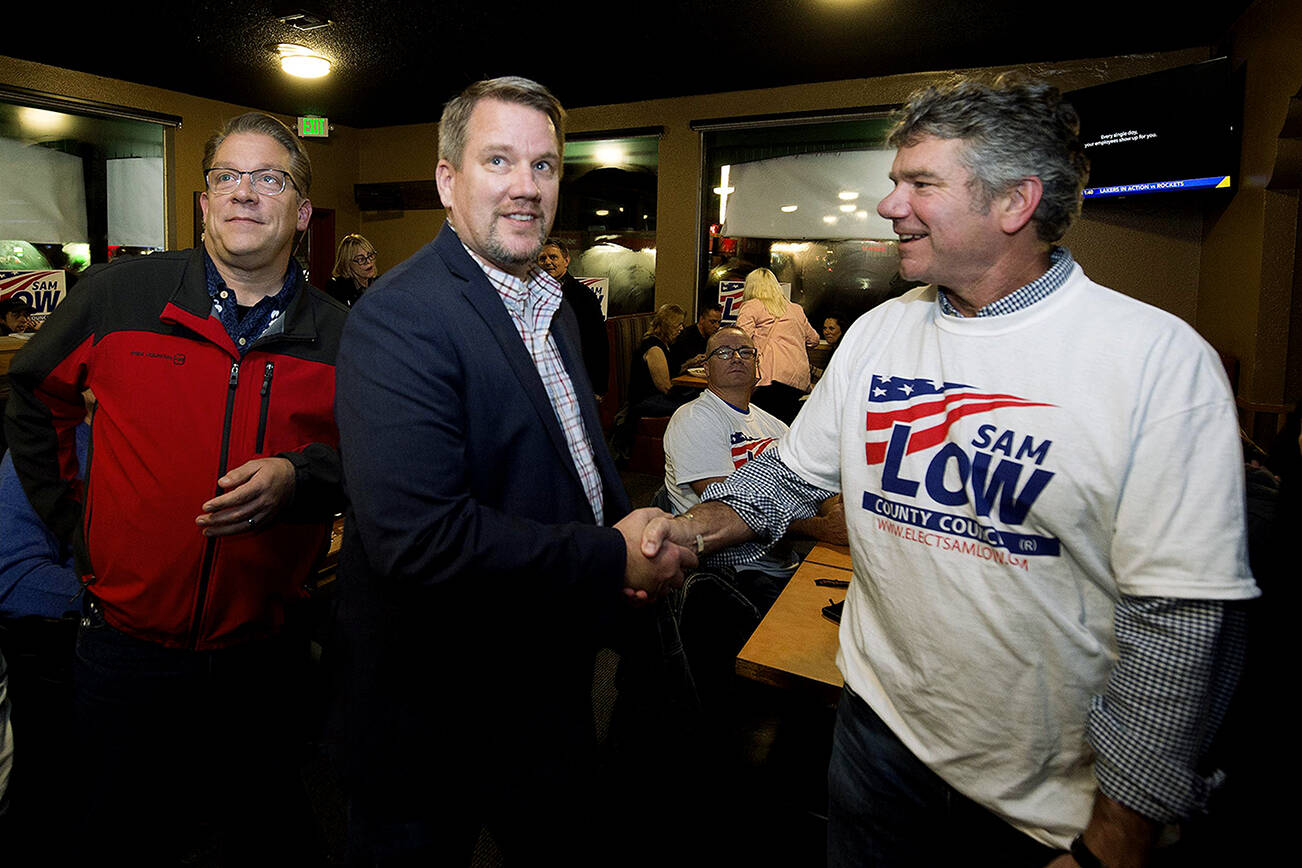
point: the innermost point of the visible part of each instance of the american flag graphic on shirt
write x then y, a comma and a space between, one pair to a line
745, 451
928, 407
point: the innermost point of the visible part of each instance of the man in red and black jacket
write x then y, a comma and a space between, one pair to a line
213, 474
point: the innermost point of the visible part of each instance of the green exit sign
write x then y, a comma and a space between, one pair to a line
314, 128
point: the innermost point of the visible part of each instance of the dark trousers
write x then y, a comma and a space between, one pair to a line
182, 746
779, 399
886, 809
39, 652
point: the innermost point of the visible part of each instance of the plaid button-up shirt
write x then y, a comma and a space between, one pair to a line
532, 303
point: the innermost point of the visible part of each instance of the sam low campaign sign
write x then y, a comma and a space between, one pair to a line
43, 290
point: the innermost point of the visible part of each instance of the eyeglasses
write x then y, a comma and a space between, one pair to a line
363, 258
748, 354
267, 182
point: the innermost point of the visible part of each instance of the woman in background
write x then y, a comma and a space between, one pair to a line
782, 334
649, 379
354, 269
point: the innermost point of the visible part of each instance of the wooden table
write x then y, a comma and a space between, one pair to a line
795, 646
691, 381
325, 573
8, 346
830, 556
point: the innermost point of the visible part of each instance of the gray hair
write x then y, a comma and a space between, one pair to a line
509, 89
300, 167
1011, 129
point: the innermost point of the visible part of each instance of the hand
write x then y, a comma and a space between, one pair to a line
664, 531
254, 492
646, 575
833, 529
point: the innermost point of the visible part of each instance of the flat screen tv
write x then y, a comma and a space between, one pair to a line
1168, 132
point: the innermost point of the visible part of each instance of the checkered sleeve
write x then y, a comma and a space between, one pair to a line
1178, 664
768, 496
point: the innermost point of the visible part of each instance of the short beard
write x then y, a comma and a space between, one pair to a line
498, 252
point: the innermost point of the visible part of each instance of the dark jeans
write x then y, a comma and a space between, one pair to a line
888, 810
40, 653
181, 745
525, 774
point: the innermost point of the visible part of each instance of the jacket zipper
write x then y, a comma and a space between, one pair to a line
266, 400
210, 543
89, 579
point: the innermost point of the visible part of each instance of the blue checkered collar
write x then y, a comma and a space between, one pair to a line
1060, 266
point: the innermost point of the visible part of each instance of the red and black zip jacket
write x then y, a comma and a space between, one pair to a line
177, 408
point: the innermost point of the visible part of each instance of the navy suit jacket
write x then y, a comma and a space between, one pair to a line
470, 547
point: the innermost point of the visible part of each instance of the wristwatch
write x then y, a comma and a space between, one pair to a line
1083, 855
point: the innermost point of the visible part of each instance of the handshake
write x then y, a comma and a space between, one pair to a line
661, 548
656, 562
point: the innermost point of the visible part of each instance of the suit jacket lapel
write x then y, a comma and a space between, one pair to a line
489, 306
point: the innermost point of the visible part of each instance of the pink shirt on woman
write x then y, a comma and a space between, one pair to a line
781, 342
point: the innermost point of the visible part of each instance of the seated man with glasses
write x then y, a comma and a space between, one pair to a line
710, 437
213, 481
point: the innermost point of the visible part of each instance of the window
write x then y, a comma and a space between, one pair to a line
607, 215
799, 196
79, 183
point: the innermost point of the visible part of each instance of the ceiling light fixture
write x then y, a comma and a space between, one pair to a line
301, 61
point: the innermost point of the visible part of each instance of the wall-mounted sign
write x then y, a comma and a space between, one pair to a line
314, 128
43, 290
600, 287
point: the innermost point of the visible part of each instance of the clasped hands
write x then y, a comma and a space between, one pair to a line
658, 558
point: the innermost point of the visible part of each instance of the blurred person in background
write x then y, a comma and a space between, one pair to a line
355, 269
782, 334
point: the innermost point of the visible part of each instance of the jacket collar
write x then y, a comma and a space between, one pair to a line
191, 307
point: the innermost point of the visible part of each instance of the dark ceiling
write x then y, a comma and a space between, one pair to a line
398, 61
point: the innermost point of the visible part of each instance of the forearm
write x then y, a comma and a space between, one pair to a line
713, 525
1178, 662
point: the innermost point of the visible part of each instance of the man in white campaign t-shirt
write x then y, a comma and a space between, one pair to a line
1043, 489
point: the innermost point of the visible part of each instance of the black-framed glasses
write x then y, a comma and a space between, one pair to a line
266, 182
748, 354
364, 258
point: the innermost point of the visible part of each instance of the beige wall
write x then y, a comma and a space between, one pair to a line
402, 153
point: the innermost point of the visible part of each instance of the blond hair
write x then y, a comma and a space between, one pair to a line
763, 284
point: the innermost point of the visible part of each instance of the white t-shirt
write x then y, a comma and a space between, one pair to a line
707, 438
1005, 479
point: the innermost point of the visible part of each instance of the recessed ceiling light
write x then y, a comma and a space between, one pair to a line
848, 195
787, 209
301, 61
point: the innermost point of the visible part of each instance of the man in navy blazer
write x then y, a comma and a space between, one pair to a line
477, 568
